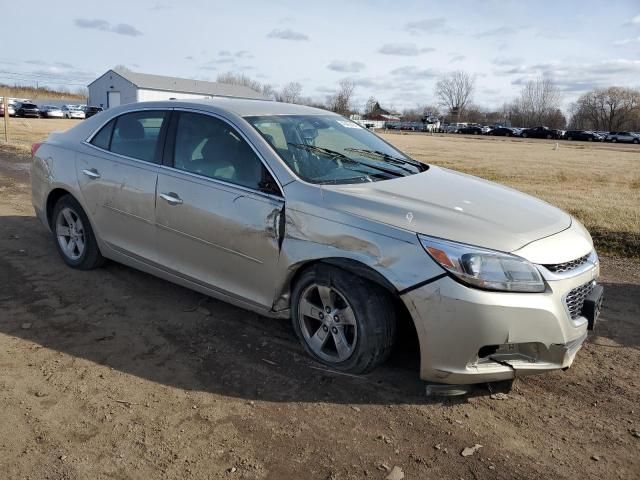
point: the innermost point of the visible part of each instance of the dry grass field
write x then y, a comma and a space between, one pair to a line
25, 131
598, 183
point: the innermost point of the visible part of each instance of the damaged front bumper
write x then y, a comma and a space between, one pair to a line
470, 336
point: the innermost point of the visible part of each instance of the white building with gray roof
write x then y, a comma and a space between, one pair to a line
119, 86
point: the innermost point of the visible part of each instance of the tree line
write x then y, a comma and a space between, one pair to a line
539, 102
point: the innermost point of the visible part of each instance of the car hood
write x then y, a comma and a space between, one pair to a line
451, 205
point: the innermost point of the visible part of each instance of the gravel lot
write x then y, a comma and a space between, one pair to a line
115, 374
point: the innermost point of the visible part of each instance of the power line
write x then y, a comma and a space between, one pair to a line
48, 75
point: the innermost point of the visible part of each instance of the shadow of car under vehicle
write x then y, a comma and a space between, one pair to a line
147, 327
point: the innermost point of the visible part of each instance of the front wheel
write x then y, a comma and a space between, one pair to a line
343, 321
75, 240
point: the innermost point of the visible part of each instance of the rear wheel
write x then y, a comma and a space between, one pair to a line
342, 320
75, 240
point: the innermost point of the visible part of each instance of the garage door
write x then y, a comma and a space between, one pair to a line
113, 99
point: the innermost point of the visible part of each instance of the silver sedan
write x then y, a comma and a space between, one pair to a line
291, 211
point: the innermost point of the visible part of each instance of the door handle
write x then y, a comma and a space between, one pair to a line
92, 173
171, 198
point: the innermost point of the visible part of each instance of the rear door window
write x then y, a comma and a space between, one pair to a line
137, 134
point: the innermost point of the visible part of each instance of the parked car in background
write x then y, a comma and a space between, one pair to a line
27, 110
51, 111
584, 135
73, 111
314, 227
503, 132
486, 129
90, 111
541, 132
625, 137
471, 130
11, 109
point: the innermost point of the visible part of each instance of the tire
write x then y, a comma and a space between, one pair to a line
635, 140
549, 136
614, 140
507, 134
73, 235
590, 139
525, 135
365, 325
569, 138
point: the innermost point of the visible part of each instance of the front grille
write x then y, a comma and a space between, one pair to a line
567, 266
576, 297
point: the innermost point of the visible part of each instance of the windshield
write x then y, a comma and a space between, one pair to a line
331, 149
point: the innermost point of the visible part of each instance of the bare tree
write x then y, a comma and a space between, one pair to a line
340, 102
370, 106
611, 109
538, 102
233, 78
454, 91
290, 93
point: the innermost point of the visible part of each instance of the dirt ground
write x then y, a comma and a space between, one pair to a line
114, 374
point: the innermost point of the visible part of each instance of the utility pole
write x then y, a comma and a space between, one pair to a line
5, 103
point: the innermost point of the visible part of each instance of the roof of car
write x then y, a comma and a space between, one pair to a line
239, 106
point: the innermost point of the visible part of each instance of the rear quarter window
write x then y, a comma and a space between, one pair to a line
103, 138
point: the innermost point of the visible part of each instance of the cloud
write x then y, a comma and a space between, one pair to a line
457, 58
126, 29
634, 21
496, 32
287, 34
403, 49
506, 61
347, 67
188, 57
159, 7
576, 78
627, 41
414, 73
429, 25
104, 26
243, 54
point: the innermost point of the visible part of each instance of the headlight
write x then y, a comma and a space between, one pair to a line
484, 268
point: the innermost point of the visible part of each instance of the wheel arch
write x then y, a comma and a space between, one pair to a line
52, 198
407, 332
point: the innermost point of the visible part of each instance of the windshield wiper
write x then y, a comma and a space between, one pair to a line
388, 157
342, 156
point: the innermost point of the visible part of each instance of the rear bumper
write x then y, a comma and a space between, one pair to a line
473, 336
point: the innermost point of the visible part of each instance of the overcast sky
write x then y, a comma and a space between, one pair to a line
391, 49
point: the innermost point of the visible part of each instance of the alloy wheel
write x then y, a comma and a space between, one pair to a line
70, 233
328, 323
